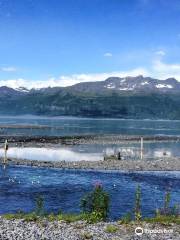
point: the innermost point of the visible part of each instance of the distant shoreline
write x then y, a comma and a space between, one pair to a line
46, 141
31, 116
166, 164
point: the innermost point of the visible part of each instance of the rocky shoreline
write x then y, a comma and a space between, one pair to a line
45, 141
60, 230
166, 164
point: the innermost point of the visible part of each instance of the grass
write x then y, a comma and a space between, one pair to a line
111, 229
164, 219
26, 216
126, 219
165, 215
69, 218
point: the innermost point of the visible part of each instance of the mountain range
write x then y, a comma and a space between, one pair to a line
129, 97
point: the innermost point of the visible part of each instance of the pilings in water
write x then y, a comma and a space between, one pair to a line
5, 153
122, 154
142, 150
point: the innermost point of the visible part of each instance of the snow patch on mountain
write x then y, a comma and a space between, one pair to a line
110, 85
164, 86
123, 80
22, 89
126, 89
144, 83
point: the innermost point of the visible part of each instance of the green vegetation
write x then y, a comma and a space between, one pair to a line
163, 219
69, 218
111, 104
26, 216
165, 215
95, 208
39, 210
96, 203
111, 229
167, 200
137, 209
127, 218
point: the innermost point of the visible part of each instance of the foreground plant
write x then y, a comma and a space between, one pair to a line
127, 218
168, 210
39, 209
96, 204
164, 219
137, 209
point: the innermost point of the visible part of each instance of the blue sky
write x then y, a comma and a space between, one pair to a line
61, 42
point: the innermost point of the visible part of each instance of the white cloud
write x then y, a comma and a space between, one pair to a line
68, 80
160, 53
165, 70
158, 69
108, 54
8, 69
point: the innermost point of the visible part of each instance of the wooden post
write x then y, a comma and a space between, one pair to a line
141, 148
5, 151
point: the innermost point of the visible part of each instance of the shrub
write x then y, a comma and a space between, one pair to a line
126, 219
51, 217
93, 217
39, 209
9, 216
167, 209
167, 200
30, 217
96, 203
137, 209
71, 217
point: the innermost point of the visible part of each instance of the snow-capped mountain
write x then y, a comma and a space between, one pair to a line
131, 97
22, 89
132, 84
141, 83
7, 91
122, 85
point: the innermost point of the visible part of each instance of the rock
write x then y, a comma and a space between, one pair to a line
80, 230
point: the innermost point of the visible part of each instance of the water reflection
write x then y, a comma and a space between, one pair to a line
50, 154
95, 152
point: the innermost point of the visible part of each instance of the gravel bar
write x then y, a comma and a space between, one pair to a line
45, 141
60, 230
166, 164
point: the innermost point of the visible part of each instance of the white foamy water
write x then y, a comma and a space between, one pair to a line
50, 154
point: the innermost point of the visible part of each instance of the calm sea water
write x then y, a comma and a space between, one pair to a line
63, 189
60, 126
